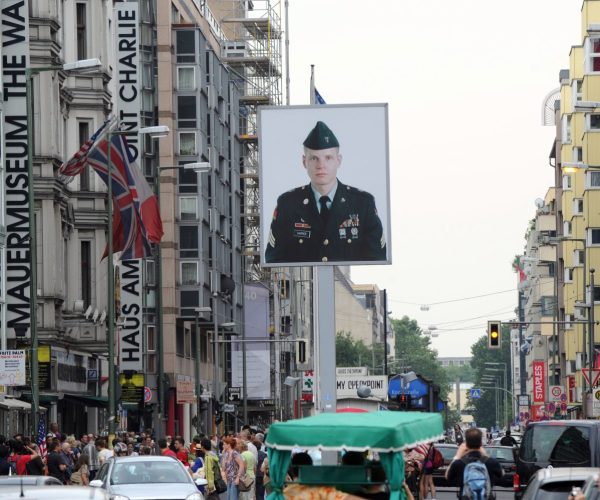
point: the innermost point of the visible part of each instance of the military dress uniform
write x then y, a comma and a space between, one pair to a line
351, 232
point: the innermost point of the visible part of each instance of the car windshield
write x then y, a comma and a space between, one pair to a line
505, 454
447, 452
555, 491
148, 472
558, 444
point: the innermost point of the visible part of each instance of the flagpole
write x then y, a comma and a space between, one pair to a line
111, 302
312, 84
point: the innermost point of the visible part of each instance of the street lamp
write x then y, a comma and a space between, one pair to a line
157, 131
198, 311
84, 65
505, 373
503, 370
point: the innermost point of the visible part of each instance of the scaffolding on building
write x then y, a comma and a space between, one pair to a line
252, 50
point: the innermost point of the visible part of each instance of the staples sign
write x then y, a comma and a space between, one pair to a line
539, 388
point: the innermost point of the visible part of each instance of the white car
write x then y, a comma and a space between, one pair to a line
146, 477
52, 493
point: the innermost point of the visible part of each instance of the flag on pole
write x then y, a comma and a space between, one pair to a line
518, 268
75, 165
318, 98
136, 214
41, 436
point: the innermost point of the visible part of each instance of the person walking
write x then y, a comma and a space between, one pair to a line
232, 467
81, 472
92, 453
57, 464
250, 470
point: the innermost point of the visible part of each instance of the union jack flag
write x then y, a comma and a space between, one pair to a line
75, 165
129, 232
136, 214
41, 437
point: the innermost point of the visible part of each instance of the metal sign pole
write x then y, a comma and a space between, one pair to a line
325, 347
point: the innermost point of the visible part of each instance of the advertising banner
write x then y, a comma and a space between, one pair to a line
347, 385
258, 354
539, 382
127, 43
186, 392
324, 185
12, 367
15, 59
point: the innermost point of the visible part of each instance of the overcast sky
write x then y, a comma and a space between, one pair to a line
465, 81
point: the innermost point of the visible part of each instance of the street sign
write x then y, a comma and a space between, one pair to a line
595, 375
228, 408
92, 375
235, 393
475, 393
147, 394
524, 400
556, 393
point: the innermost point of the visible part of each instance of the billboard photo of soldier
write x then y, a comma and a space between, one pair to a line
324, 181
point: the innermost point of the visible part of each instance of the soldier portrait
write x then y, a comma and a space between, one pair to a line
326, 219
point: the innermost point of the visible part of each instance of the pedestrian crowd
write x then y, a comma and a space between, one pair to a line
231, 464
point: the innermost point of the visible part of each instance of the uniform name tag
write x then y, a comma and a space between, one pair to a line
301, 233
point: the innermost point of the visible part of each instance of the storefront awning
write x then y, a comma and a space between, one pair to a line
93, 401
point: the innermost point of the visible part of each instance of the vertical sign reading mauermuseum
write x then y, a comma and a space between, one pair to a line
15, 60
128, 112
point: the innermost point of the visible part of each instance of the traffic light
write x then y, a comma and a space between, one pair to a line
404, 401
300, 351
494, 334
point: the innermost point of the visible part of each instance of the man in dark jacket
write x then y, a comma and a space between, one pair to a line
57, 464
471, 451
326, 220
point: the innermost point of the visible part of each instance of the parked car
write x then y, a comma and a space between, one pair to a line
29, 481
448, 451
558, 443
53, 493
591, 489
556, 484
146, 477
506, 456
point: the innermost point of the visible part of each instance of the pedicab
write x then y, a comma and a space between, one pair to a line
386, 432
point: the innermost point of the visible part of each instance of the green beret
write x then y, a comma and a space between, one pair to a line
321, 137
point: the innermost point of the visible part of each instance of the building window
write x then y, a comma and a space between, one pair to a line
189, 273
188, 180
188, 208
592, 122
568, 319
578, 206
596, 293
81, 31
593, 236
578, 257
151, 342
592, 49
150, 272
568, 274
578, 154
186, 78
84, 135
180, 341
592, 179
566, 124
186, 46
186, 111
86, 273
566, 184
567, 228
577, 91
187, 144
188, 242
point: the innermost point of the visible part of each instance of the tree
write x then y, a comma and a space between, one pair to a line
413, 350
484, 408
350, 352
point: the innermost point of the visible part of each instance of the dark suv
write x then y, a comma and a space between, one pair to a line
556, 443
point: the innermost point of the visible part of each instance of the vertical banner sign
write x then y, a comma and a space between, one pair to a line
15, 59
539, 382
128, 112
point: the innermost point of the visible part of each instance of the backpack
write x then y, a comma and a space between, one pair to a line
476, 480
434, 459
220, 485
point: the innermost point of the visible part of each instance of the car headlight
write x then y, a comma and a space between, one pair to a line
195, 496
118, 497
